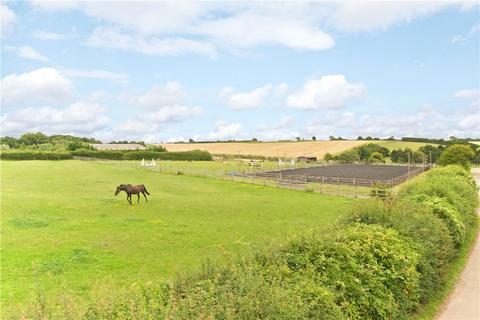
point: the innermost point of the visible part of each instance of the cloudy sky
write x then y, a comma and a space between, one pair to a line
161, 71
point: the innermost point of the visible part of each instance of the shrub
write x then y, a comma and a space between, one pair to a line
348, 156
369, 268
428, 232
457, 154
31, 155
448, 213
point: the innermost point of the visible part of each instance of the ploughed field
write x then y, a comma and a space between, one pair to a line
365, 173
63, 231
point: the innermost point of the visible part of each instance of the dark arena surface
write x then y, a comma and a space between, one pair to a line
357, 171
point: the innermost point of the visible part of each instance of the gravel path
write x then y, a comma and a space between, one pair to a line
464, 302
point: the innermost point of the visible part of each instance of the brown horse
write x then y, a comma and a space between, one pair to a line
133, 189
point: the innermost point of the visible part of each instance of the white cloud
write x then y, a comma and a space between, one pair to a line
246, 100
162, 96
105, 37
164, 28
9, 19
270, 29
44, 84
277, 131
467, 94
117, 78
326, 92
424, 123
27, 52
367, 16
77, 118
458, 39
174, 113
471, 121
226, 131
253, 99
47, 35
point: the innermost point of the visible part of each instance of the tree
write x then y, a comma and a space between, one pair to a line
359, 138
314, 138
298, 139
29, 139
11, 142
255, 139
457, 154
376, 157
331, 138
191, 140
328, 157
349, 156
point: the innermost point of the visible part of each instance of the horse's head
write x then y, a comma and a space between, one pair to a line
119, 188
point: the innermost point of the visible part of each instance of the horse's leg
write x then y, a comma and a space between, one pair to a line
129, 198
138, 197
145, 196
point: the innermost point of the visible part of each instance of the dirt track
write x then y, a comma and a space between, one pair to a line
358, 171
464, 302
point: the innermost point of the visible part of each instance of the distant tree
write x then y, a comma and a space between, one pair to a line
331, 138
11, 142
191, 140
349, 156
75, 145
359, 138
431, 153
368, 138
391, 138
298, 138
154, 147
376, 157
314, 138
328, 157
29, 139
255, 139
457, 154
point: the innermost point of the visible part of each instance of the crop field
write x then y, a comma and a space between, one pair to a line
270, 149
64, 231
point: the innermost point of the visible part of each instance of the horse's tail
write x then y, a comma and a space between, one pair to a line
145, 188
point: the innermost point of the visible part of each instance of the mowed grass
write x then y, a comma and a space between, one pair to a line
63, 230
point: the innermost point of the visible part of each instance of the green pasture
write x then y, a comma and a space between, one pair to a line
63, 231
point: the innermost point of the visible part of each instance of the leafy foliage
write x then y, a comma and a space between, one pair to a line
457, 154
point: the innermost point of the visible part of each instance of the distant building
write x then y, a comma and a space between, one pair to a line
118, 146
307, 159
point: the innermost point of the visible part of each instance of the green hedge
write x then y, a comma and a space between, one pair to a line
29, 155
195, 155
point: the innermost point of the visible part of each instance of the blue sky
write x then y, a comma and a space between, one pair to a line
160, 71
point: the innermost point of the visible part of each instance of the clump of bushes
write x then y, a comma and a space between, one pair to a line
33, 155
195, 155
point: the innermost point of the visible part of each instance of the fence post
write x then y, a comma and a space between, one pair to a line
355, 187
338, 186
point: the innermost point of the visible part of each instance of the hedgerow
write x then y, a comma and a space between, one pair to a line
194, 155
32, 155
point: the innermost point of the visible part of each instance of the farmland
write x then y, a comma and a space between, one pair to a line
270, 149
391, 145
63, 230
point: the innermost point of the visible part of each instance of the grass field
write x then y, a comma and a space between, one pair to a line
270, 149
63, 229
